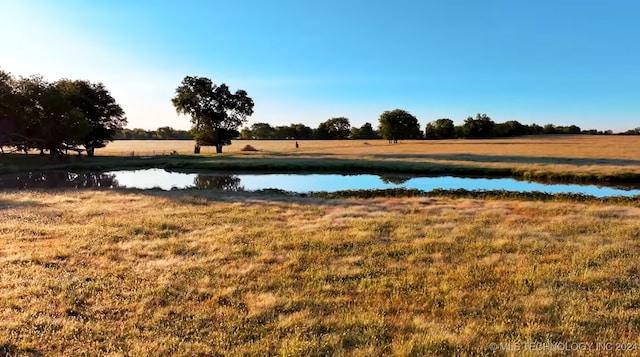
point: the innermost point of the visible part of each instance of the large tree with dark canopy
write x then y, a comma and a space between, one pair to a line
216, 113
56, 117
49, 121
8, 110
440, 129
480, 127
103, 115
334, 128
364, 132
399, 124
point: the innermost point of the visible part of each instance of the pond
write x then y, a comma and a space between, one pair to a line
300, 183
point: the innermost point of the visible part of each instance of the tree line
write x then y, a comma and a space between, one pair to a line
78, 115
217, 114
340, 128
399, 124
162, 133
66, 115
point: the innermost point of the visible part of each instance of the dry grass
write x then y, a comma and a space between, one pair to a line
97, 272
561, 154
580, 146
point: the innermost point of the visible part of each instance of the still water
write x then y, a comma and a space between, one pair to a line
159, 178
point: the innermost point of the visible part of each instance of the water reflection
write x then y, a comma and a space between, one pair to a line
161, 179
398, 180
58, 179
218, 182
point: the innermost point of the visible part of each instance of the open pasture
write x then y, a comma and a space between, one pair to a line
205, 273
610, 155
558, 146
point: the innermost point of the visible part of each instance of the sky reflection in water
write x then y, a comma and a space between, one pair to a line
333, 182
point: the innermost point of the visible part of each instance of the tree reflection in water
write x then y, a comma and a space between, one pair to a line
398, 180
218, 182
58, 179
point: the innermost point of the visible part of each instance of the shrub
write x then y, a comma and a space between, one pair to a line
248, 148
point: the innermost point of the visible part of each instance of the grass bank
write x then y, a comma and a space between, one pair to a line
288, 164
188, 273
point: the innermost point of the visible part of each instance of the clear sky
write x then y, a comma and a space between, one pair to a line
535, 61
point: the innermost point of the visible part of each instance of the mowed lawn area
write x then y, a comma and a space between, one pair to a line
562, 154
206, 273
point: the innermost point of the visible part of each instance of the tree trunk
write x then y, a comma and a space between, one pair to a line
90, 151
218, 149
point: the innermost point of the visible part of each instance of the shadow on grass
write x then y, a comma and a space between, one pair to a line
9, 204
207, 197
344, 198
513, 159
8, 349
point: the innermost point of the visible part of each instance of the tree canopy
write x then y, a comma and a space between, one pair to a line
366, 131
480, 127
440, 129
65, 115
103, 115
399, 124
216, 113
162, 133
334, 128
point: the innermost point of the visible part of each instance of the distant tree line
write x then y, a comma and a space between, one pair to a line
334, 128
635, 131
162, 133
480, 126
78, 115
399, 124
66, 115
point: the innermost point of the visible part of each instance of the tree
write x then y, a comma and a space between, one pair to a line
262, 131
9, 112
60, 116
51, 121
366, 131
301, 131
399, 124
508, 129
549, 129
103, 115
334, 128
216, 113
440, 129
246, 133
284, 132
534, 129
163, 133
572, 129
480, 127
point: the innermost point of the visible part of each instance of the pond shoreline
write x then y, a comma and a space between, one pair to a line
310, 185
12, 163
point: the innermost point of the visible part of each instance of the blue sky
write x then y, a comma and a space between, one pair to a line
561, 61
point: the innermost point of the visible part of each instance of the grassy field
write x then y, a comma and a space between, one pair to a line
170, 273
582, 154
557, 146
212, 273
555, 158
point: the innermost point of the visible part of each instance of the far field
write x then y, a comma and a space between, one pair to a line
560, 154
